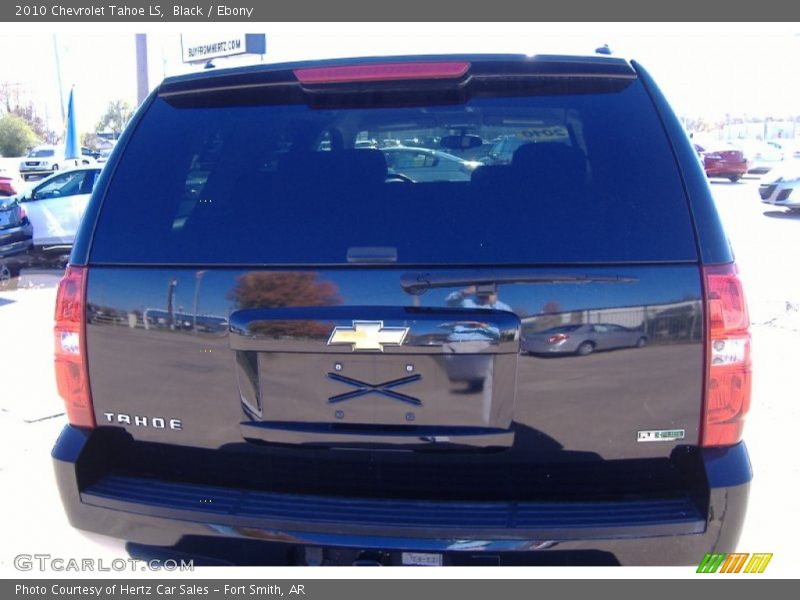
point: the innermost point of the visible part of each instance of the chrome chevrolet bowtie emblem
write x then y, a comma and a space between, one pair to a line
368, 335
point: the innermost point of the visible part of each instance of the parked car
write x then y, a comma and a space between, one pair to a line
789, 148
761, 156
9, 184
347, 407
16, 232
104, 154
781, 186
45, 160
89, 156
42, 161
424, 164
56, 205
723, 160
582, 339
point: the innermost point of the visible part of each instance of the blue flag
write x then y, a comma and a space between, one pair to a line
71, 145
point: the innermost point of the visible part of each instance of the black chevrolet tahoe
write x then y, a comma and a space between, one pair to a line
276, 347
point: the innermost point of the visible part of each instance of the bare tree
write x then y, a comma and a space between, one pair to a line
117, 115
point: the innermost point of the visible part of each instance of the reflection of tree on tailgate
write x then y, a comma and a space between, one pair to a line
293, 288
550, 315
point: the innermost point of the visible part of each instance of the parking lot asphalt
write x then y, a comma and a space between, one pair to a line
31, 417
765, 241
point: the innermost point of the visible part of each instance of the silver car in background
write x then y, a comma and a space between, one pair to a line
781, 186
55, 205
582, 339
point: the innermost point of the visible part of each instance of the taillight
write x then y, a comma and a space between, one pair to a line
728, 371
557, 338
382, 72
72, 376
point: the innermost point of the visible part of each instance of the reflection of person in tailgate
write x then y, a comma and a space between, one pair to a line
465, 363
472, 298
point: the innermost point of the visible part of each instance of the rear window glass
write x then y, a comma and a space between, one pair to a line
44, 153
537, 179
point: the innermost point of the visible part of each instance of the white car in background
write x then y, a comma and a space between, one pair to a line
56, 205
789, 148
781, 187
761, 156
42, 161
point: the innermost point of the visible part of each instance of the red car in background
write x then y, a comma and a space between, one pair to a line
723, 160
9, 184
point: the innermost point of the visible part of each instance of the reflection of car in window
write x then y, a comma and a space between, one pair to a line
582, 339
423, 164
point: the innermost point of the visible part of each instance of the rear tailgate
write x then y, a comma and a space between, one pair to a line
268, 379
280, 364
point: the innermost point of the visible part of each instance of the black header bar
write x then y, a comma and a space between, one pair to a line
250, 11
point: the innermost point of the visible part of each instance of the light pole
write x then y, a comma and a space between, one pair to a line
198, 277
170, 302
142, 85
58, 76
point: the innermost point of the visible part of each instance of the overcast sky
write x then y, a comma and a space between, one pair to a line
705, 70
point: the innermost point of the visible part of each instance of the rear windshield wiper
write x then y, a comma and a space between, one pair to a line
417, 283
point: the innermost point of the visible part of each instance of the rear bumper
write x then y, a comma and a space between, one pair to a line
782, 204
726, 169
660, 531
26, 172
540, 348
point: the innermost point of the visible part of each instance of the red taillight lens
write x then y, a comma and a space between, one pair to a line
729, 371
72, 376
382, 72
557, 338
